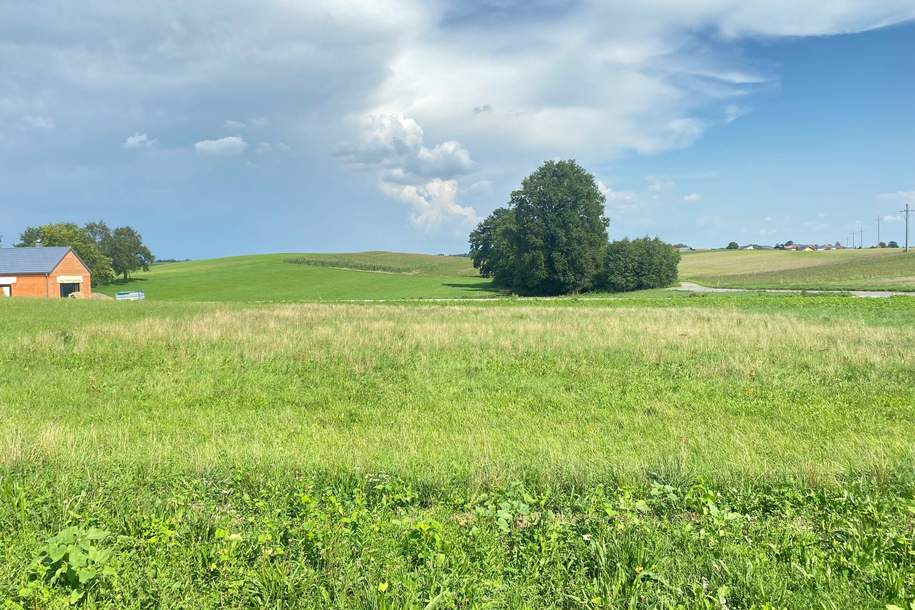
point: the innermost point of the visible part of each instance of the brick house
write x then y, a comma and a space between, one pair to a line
49, 273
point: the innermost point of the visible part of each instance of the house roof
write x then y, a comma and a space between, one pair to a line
30, 260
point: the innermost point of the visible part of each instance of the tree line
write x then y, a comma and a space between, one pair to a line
108, 253
552, 239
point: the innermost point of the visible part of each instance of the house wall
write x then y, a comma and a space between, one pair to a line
69, 265
47, 286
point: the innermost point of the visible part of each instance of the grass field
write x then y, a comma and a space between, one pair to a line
670, 451
884, 269
284, 277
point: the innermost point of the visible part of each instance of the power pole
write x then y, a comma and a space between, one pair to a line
878, 231
908, 210
860, 237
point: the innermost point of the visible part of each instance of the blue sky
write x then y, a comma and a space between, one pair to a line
227, 127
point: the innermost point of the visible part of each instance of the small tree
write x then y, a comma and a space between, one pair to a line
127, 252
892, 244
733, 245
639, 264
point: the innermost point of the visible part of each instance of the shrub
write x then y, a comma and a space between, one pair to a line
639, 264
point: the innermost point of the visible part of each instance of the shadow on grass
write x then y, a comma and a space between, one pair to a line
476, 286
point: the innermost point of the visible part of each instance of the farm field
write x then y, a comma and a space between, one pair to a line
658, 450
310, 277
883, 269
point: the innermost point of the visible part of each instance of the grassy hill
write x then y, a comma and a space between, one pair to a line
838, 269
310, 277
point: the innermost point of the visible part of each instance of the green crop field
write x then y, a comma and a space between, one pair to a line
310, 277
883, 269
656, 451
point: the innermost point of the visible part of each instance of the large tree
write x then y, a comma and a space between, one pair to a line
69, 234
551, 238
561, 230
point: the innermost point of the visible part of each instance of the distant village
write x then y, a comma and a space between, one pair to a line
788, 245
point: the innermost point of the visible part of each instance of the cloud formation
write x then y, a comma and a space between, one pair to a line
392, 146
139, 141
231, 146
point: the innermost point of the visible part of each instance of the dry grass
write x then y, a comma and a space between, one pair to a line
479, 392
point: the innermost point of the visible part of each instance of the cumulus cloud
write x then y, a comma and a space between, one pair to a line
432, 203
139, 141
233, 124
231, 146
393, 146
692, 197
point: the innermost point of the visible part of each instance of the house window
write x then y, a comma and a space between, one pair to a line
67, 289
6, 290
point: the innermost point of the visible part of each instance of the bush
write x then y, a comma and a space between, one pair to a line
639, 264
733, 246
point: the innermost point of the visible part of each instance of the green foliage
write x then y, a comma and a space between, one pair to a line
639, 264
353, 265
491, 246
127, 251
69, 234
733, 245
104, 251
551, 238
74, 560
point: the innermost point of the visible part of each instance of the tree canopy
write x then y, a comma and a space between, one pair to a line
106, 252
552, 239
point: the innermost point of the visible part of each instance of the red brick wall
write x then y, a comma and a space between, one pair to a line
47, 287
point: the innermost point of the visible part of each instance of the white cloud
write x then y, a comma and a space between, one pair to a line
903, 196
433, 203
139, 141
224, 147
233, 124
392, 145
732, 112
263, 148
692, 197
42, 123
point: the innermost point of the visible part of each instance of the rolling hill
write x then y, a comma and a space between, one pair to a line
885, 269
310, 277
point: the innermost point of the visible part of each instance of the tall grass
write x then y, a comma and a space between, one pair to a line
697, 452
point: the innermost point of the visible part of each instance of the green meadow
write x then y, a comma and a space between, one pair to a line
655, 450
310, 277
875, 269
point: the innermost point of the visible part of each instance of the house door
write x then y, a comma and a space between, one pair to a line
6, 291
67, 289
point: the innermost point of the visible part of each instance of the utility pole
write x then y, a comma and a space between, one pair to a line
878, 231
860, 237
908, 210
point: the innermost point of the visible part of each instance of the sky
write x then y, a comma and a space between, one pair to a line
224, 127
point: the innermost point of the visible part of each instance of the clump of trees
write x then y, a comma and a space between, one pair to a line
552, 239
108, 253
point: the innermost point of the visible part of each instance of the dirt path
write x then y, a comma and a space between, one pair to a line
863, 294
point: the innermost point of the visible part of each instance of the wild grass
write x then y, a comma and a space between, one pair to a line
643, 452
875, 269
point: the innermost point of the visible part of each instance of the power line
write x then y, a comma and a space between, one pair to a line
908, 210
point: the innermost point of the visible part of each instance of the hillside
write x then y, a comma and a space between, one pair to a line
310, 277
838, 269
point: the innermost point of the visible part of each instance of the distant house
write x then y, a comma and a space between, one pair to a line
756, 247
49, 273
